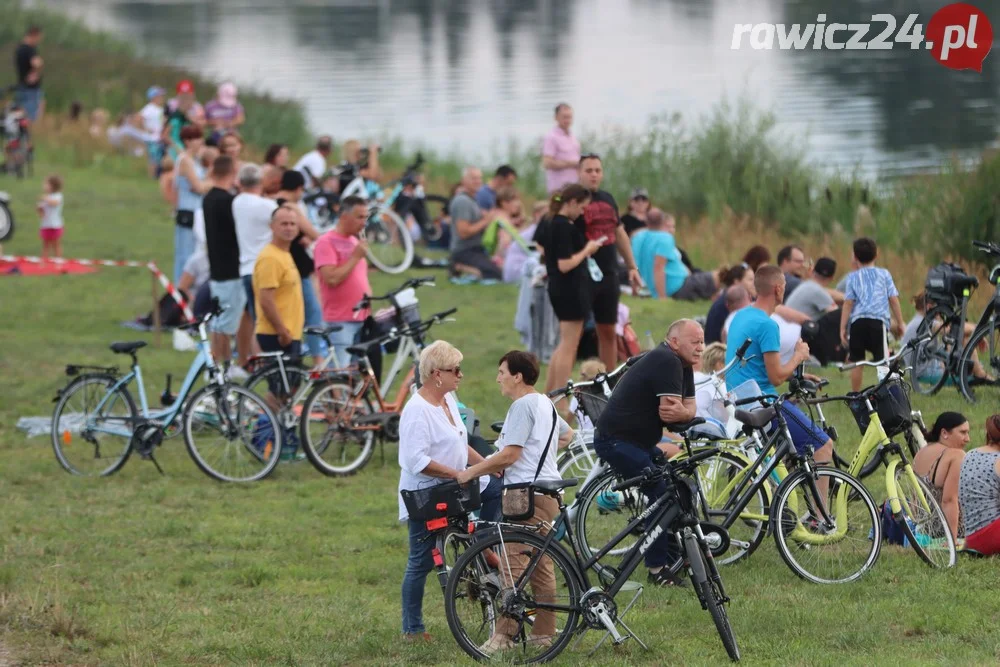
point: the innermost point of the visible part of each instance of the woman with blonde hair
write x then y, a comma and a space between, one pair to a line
433, 448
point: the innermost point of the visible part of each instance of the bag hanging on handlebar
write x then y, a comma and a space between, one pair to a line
518, 500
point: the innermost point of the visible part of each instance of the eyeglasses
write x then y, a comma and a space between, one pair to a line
457, 370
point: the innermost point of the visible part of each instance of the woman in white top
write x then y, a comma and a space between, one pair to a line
529, 444
433, 448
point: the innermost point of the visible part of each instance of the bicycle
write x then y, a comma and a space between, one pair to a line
478, 598
944, 354
881, 412
249, 442
352, 406
6, 217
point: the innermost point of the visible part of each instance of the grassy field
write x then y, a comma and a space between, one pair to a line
140, 569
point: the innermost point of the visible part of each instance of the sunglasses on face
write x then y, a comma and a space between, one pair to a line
456, 371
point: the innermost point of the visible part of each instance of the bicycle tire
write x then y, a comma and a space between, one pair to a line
468, 562
629, 502
434, 230
243, 449
450, 543
61, 436
930, 522
867, 528
709, 595
258, 381
386, 232
991, 335
933, 355
759, 503
6, 222
316, 449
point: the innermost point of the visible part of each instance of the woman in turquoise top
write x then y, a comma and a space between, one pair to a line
190, 186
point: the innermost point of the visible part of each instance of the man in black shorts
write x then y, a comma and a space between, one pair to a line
656, 392
600, 222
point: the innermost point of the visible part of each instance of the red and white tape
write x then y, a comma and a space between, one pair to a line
167, 285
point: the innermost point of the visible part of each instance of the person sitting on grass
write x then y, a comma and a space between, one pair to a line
50, 207
869, 302
468, 224
940, 462
662, 268
979, 492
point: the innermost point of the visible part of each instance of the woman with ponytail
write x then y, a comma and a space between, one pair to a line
979, 492
570, 285
940, 461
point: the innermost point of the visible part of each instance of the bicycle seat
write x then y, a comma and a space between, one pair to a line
680, 428
361, 349
127, 347
322, 331
497, 426
756, 419
554, 486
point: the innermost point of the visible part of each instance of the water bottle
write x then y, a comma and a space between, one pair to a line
650, 343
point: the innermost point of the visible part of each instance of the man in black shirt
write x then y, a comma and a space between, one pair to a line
600, 222
658, 391
223, 257
28, 64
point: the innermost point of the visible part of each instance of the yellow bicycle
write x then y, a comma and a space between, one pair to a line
882, 412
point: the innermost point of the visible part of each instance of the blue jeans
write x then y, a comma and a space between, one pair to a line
183, 248
630, 460
314, 318
421, 559
29, 99
343, 339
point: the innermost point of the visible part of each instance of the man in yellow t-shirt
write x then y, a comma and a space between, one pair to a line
278, 288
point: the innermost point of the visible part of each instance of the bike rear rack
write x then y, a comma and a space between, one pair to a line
74, 369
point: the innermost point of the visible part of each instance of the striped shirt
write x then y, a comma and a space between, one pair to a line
870, 289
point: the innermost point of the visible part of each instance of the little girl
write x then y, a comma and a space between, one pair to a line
50, 207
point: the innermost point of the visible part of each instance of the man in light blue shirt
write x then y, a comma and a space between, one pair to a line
660, 265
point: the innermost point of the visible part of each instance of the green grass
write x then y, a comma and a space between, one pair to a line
139, 569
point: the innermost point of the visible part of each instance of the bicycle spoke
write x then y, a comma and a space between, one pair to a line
89, 437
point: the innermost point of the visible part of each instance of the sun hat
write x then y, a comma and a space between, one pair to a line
154, 91
227, 95
185, 86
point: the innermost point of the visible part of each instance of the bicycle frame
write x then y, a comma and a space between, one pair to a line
164, 416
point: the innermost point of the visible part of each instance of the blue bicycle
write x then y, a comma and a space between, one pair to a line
229, 430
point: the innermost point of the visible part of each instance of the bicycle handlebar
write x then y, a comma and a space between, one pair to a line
678, 467
600, 378
987, 247
412, 282
888, 361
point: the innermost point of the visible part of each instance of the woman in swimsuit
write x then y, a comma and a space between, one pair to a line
940, 461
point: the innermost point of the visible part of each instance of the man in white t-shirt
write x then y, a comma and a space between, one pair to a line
252, 214
789, 334
152, 123
313, 164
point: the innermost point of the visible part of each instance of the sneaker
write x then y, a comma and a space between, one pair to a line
497, 643
665, 579
542, 641
417, 637
236, 373
610, 501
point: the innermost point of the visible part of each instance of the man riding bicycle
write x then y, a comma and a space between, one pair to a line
658, 391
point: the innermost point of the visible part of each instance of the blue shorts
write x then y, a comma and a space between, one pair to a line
233, 301
248, 289
804, 432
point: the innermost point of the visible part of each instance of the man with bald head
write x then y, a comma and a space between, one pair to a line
657, 392
468, 223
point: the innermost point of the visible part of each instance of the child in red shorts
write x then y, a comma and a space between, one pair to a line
50, 207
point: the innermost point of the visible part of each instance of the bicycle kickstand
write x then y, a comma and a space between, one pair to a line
155, 463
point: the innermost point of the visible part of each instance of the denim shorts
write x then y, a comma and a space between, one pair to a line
804, 432
29, 99
233, 300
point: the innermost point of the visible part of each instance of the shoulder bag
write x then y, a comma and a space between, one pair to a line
518, 501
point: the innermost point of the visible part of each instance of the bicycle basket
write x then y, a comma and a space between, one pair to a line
448, 499
385, 320
591, 402
892, 402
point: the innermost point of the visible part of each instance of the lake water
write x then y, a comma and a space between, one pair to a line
470, 75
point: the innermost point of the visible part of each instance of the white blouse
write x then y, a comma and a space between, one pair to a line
425, 435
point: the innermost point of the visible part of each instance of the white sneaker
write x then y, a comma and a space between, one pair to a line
236, 373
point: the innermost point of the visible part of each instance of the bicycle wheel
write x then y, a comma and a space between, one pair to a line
230, 433
984, 346
279, 392
332, 444
931, 361
390, 246
91, 442
717, 477
577, 461
450, 543
710, 595
483, 605
6, 222
602, 513
814, 550
923, 521
432, 229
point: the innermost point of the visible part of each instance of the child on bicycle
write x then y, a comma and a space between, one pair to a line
870, 302
50, 206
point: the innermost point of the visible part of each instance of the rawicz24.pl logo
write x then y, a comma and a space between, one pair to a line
959, 36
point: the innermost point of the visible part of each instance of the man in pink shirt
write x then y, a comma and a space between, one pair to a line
339, 256
560, 151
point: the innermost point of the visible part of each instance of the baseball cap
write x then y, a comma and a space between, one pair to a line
227, 95
154, 91
638, 193
185, 86
825, 267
